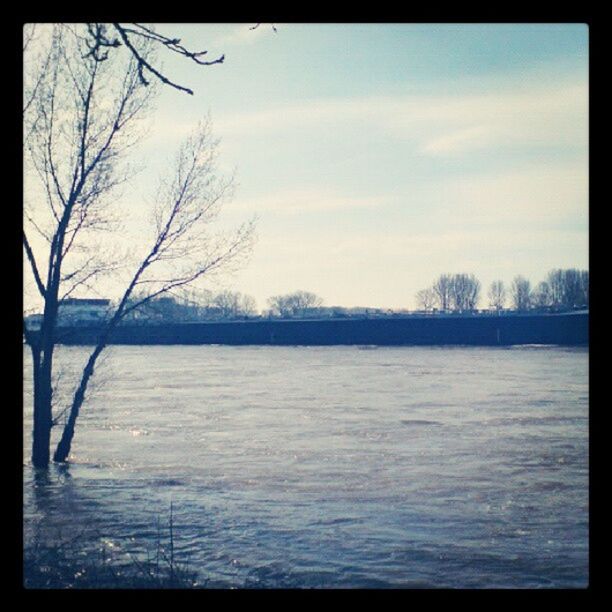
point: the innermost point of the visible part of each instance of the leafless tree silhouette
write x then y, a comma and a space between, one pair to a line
465, 292
569, 288
520, 292
81, 119
426, 299
129, 35
232, 304
497, 295
443, 291
293, 303
542, 295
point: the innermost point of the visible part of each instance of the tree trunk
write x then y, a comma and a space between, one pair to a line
42, 357
41, 435
63, 448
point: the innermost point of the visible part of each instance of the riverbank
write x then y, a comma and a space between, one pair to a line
480, 330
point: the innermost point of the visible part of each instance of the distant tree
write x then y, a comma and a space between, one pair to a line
186, 306
569, 288
573, 294
233, 304
576, 288
497, 295
464, 292
556, 284
248, 306
584, 287
542, 295
163, 308
426, 299
293, 304
520, 292
442, 289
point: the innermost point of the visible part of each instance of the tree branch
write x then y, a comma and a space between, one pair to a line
30, 254
142, 63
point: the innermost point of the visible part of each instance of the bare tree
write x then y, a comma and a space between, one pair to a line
80, 123
293, 304
232, 304
443, 291
572, 288
464, 292
497, 295
541, 296
183, 304
459, 292
248, 306
584, 288
520, 292
426, 299
126, 36
161, 309
569, 288
556, 283
72, 148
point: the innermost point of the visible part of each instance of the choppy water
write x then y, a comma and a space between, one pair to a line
332, 466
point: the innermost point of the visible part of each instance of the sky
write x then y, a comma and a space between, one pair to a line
379, 156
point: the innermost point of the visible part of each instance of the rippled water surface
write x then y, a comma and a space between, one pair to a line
332, 466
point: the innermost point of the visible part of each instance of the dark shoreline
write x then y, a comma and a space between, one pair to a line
480, 330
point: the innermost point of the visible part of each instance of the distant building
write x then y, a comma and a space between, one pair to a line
74, 311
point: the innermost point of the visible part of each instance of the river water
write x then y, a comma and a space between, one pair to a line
327, 467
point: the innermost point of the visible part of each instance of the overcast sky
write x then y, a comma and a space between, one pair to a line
378, 157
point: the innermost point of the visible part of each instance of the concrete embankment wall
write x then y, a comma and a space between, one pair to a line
563, 329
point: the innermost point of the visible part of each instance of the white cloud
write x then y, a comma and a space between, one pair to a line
300, 201
547, 116
537, 195
542, 115
474, 137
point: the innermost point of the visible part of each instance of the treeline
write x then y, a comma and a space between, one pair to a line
225, 305
222, 305
562, 290
294, 304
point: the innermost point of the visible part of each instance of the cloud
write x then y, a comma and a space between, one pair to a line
299, 201
542, 115
474, 137
538, 195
